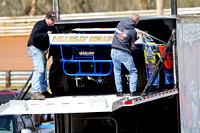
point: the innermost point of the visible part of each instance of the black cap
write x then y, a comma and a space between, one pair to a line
51, 15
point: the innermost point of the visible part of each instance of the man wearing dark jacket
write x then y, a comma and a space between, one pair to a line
122, 47
38, 43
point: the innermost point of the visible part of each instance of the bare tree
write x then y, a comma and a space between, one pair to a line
72, 6
140, 4
33, 8
159, 4
40, 7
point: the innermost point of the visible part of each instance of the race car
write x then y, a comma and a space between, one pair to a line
85, 62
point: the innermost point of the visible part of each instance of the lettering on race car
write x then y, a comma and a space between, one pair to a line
81, 38
167, 63
71, 38
101, 38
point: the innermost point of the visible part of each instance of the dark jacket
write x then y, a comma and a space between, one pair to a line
39, 36
124, 35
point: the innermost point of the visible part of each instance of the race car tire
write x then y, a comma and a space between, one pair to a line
58, 80
141, 72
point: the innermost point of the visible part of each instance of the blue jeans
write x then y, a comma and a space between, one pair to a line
122, 57
39, 81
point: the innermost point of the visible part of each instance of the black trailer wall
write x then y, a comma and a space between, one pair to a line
159, 116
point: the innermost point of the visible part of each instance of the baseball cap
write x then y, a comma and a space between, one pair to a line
51, 15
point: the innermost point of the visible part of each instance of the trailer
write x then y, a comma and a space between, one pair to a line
169, 109
95, 113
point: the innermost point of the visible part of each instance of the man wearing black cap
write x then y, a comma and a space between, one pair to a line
38, 43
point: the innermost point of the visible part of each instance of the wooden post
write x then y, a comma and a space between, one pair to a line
56, 8
159, 5
8, 83
33, 8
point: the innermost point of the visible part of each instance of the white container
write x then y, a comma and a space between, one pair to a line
26, 131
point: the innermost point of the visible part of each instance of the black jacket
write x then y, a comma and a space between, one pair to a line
39, 36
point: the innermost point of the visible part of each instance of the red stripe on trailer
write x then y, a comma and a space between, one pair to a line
65, 103
81, 103
34, 104
50, 104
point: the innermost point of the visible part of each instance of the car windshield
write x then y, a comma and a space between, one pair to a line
148, 38
6, 125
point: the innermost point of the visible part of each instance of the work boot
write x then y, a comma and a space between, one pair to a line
132, 94
37, 96
47, 94
119, 94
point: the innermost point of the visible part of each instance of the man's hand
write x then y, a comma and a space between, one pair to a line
133, 46
49, 32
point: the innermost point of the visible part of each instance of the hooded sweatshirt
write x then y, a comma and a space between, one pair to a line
124, 35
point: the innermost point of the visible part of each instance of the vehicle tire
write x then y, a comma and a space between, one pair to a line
58, 80
141, 72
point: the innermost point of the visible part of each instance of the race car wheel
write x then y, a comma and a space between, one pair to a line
58, 80
141, 72
161, 76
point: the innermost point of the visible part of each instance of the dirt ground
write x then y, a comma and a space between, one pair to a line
14, 55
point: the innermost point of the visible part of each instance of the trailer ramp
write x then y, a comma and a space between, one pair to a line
64, 104
79, 104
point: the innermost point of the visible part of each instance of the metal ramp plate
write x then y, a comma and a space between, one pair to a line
65, 104
79, 104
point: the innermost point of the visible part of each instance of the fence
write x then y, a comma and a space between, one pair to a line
14, 78
22, 25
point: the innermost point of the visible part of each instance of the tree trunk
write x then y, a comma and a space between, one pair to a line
140, 4
72, 6
159, 4
33, 7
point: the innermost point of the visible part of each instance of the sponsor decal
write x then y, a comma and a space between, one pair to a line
81, 39
86, 53
121, 35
